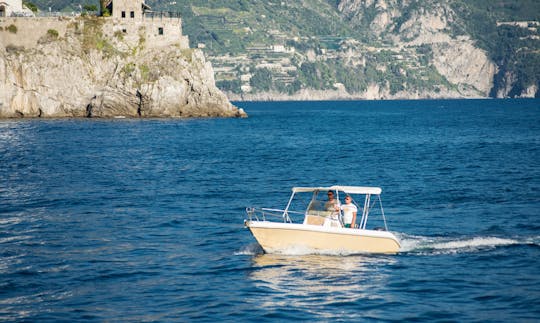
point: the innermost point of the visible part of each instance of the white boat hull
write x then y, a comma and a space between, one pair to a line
277, 237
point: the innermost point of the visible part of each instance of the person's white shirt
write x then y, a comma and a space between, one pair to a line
348, 210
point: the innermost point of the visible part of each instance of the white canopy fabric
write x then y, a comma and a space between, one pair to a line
346, 189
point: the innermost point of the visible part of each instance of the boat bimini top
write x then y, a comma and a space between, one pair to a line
345, 189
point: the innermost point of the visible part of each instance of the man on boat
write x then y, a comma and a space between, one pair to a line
331, 204
349, 212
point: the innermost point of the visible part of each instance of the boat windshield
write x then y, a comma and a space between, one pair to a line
316, 204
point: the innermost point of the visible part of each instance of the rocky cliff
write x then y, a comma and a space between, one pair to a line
466, 68
80, 68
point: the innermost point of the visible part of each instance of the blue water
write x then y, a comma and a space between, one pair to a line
142, 220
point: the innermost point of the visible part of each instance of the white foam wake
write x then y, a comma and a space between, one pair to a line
478, 242
445, 245
251, 249
301, 251
414, 244
255, 249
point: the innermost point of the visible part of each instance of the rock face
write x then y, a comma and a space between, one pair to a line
465, 66
86, 71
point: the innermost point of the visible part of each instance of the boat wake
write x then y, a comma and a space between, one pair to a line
255, 249
452, 245
416, 245
303, 251
250, 250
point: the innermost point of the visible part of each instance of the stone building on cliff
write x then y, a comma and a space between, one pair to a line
13, 8
131, 9
132, 21
134, 18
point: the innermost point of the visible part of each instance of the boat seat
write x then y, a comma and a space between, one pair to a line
320, 213
314, 219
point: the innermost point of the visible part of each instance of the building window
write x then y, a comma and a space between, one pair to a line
123, 14
132, 14
124, 30
160, 31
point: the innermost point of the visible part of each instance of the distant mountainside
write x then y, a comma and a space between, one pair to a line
373, 49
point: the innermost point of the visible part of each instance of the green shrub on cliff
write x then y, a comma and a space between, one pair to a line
128, 69
93, 37
52, 33
90, 7
12, 29
50, 36
145, 73
119, 35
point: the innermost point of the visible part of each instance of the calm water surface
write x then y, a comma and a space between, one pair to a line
142, 220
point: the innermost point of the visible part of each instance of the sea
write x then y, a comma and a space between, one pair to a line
141, 220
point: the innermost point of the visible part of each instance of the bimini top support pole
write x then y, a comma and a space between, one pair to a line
286, 217
382, 211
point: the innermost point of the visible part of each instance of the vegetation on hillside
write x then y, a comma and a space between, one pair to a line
515, 49
235, 27
30, 6
248, 30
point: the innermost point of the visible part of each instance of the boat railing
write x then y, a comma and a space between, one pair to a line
260, 214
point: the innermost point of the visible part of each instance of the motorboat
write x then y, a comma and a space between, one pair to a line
314, 223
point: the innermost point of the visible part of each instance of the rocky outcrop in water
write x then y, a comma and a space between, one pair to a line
82, 69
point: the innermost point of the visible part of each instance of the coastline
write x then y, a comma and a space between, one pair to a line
337, 95
86, 67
